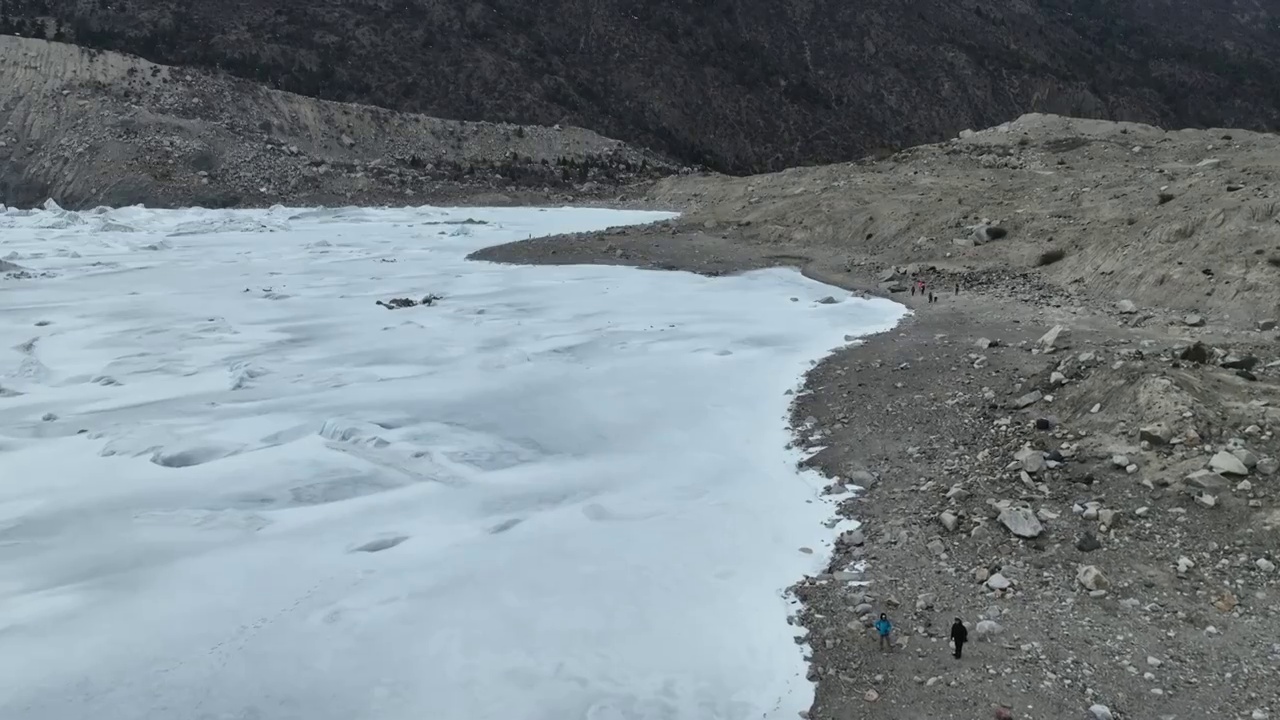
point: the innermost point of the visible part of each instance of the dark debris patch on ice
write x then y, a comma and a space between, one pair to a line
505, 525
189, 457
381, 544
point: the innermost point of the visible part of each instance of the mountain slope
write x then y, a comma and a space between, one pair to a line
739, 85
88, 128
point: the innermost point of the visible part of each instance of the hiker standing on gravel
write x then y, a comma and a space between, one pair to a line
884, 627
959, 636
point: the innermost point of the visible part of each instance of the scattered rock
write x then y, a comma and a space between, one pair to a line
1249, 459
1156, 434
1206, 480
949, 521
861, 478
398, 303
988, 233
1028, 399
998, 582
1088, 542
1032, 460
1057, 337
1198, 353
1091, 578
987, 629
1227, 464
1021, 522
1233, 362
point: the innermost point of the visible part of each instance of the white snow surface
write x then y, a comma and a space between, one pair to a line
233, 486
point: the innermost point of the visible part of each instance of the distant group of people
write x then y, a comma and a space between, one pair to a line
919, 286
959, 635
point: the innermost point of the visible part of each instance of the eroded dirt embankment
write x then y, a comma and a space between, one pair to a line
87, 128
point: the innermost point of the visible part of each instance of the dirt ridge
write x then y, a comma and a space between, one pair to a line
88, 127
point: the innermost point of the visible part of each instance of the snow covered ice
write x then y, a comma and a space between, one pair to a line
233, 486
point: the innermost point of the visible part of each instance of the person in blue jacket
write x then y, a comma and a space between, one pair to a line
884, 627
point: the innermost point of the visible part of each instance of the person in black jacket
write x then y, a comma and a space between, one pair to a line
959, 636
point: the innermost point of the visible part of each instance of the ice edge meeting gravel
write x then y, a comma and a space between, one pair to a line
235, 486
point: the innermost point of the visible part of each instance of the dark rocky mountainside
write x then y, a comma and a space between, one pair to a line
737, 85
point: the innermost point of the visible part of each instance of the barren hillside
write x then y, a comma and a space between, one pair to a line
1186, 220
738, 85
87, 127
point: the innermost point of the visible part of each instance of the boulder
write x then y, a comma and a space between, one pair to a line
1266, 325
1227, 464
1032, 460
1206, 480
1193, 320
1088, 542
1027, 400
949, 521
861, 478
1268, 466
998, 582
1021, 522
1091, 578
1126, 307
987, 629
854, 537
1198, 353
1057, 337
1249, 459
1156, 434
986, 233
1240, 362
1101, 712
